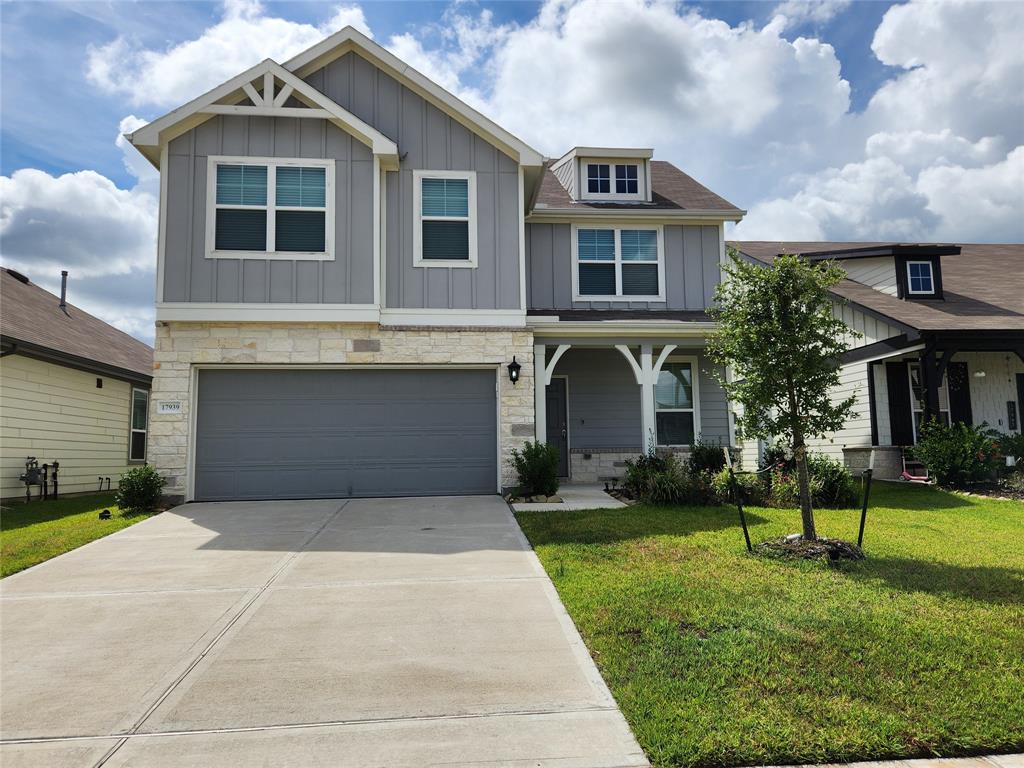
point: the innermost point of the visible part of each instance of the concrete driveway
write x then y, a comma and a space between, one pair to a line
383, 632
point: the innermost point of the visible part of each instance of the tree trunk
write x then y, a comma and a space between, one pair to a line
800, 456
806, 512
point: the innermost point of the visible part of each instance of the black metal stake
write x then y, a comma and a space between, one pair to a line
56, 466
739, 506
864, 510
44, 491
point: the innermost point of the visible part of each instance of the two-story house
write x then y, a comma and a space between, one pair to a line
367, 288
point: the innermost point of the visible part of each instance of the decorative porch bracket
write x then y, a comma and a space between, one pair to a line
646, 372
543, 370
933, 368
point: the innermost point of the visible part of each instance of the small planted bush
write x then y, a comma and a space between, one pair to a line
537, 468
831, 483
139, 490
754, 489
659, 479
706, 459
958, 454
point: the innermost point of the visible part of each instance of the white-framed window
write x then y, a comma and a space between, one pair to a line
676, 402
139, 426
444, 233
618, 263
270, 208
920, 279
612, 180
918, 395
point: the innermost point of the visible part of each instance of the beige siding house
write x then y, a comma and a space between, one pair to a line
73, 390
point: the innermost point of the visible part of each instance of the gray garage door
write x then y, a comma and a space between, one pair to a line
290, 434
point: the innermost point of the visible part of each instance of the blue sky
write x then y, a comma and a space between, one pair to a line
825, 119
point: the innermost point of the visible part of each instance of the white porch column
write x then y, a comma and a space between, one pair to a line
540, 403
647, 396
646, 373
543, 371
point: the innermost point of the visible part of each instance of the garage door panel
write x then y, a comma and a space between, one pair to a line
308, 434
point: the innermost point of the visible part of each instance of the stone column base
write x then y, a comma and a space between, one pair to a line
888, 461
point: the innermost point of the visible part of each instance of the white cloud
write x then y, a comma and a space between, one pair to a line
797, 12
103, 235
243, 37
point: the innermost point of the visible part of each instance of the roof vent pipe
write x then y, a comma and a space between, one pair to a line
64, 292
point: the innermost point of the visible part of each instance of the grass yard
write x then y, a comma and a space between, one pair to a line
721, 658
34, 532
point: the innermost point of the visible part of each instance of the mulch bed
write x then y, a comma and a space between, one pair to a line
998, 489
791, 548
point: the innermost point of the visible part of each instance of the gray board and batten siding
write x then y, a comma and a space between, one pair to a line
191, 277
427, 139
692, 269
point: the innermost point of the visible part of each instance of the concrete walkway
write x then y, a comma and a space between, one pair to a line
384, 632
582, 496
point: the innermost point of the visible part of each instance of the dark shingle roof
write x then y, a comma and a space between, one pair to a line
983, 287
31, 315
671, 190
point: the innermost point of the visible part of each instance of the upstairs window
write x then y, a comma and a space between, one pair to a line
920, 279
273, 208
613, 179
626, 180
618, 264
599, 178
445, 233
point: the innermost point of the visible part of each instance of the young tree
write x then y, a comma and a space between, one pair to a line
778, 334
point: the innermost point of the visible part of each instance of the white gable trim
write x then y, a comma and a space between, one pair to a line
350, 39
149, 138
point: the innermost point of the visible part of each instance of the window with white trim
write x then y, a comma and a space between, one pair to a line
618, 263
445, 232
675, 403
613, 179
139, 426
269, 207
920, 279
918, 395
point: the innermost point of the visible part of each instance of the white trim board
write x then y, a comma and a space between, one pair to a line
494, 318
281, 312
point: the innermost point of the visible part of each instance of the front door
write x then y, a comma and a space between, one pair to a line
558, 423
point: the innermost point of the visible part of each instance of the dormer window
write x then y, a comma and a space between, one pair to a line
626, 180
920, 280
600, 181
599, 178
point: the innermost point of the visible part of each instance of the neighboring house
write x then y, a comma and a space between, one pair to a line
72, 390
351, 260
943, 334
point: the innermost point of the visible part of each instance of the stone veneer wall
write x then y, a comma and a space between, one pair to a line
605, 464
181, 345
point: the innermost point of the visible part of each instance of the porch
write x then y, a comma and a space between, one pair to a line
605, 401
974, 379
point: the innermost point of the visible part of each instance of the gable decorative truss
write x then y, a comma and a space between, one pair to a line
262, 91
350, 39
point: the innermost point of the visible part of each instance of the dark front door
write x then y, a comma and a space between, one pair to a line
1020, 401
558, 423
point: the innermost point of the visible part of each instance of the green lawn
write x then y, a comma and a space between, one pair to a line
34, 532
718, 657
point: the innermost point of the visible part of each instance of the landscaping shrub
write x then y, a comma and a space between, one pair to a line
777, 455
832, 485
665, 480
754, 489
706, 459
1011, 445
139, 490
958, 454
537, 468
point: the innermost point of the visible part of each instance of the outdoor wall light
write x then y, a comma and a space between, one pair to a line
979, 374
513, 370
